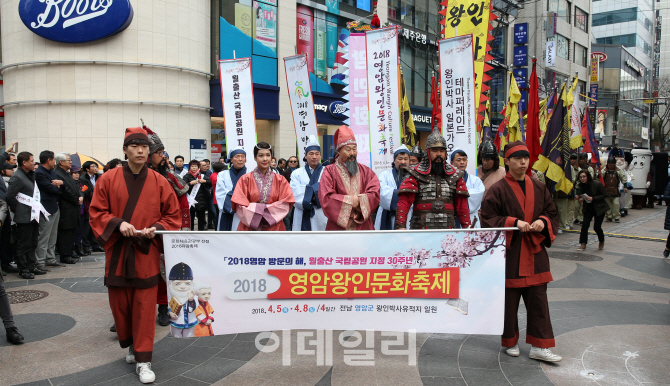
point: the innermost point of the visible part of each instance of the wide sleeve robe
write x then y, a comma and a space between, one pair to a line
336, 201
144, 201
245, 202
527, 262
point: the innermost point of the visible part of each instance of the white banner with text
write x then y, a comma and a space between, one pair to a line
302, 103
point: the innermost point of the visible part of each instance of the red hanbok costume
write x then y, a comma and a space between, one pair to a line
261, 201
527, 263
132, 264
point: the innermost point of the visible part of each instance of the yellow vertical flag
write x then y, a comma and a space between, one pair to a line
544, 118
407, 122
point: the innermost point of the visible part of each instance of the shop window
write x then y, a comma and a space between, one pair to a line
581, 19
580, 56
561, 7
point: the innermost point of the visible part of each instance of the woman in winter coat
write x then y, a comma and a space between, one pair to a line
595, 209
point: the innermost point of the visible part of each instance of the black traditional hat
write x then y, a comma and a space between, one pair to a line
181, 271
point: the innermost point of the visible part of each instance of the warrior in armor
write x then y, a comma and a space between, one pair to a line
489, 169
613, 177
437, 191
416, 154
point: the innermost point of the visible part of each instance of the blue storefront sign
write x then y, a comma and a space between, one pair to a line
76, 21
520, 75
338, 110
593, 102
523, 103
520, 56
521, 33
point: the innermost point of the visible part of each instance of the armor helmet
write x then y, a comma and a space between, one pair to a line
436, 140
417, 152
488, 150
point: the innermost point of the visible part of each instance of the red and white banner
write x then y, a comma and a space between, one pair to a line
459, 119
430, 281
381, 47
302, 103
239, 113
358, 96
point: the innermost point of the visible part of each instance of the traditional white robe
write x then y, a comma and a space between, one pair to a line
299, 181
224, 192
388, 195
476, 189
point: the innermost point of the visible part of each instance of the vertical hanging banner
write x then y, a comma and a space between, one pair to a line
358, 96
459, 115
471, 17
381, 46
239, 113
300, 94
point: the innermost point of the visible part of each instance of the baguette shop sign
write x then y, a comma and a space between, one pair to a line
75, 21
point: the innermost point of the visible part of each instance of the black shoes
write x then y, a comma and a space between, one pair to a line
163, 317
74, 253
9, 269
68, 260
666, 253
57, 264
113, 328
98, 249
38, 271
13, 335
26, 275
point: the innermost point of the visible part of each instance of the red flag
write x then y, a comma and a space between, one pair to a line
585, 132
435, 100
533, 124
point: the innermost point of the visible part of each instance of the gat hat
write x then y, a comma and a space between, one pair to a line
436, 140
181, 271
155, 141
236, 151
400, 150
516, 149
343, 137
74, 169
312, 145
136, 135
7, 165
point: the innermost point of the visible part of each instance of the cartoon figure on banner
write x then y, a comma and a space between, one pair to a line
182, 301
299, 91
204, 312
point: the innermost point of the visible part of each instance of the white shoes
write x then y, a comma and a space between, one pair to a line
567, 227
144, 371
130, 357
513, 351
560, 231
544, 354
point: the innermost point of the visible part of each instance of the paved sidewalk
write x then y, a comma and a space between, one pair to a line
610, 311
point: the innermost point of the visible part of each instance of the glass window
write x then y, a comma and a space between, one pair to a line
561, 7
407, 12
394, 9
562, 46
421, 14
580, 55
420, 84
613, 17
581, 19
433, 17
498, 44
623, 40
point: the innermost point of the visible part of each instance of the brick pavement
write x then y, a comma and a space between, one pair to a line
611, 318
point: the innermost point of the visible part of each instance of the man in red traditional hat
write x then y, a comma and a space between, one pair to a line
348, 191
129, 204
523, 202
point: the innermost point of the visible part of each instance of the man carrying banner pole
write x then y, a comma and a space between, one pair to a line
527, 262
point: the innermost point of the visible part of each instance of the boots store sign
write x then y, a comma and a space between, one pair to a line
76, 21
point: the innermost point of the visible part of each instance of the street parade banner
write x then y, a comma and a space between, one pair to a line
431, 281
383, 96
237, 93
470, 17
302, 104
459, 115
358, 96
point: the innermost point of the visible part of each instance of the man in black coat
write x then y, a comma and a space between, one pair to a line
89, 176
50, 193
70, 204
22, 186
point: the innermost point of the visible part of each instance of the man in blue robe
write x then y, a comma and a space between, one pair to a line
390, 181
225, 186
308, 215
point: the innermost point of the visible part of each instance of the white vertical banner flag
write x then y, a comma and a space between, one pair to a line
457, 74
358, 96
381, 46
550, 59
302, 104
239, 112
